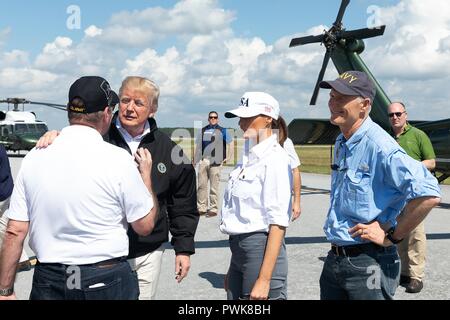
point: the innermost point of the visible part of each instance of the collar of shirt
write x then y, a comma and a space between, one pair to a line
359, 134
210, 126
82, 132
133, 142
261, 149
407, 128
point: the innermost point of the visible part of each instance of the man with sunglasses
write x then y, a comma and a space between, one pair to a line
373, 180
412, 249
213, 149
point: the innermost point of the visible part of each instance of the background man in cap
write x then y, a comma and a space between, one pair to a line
213, 149
412, 249
373, 179
76, 205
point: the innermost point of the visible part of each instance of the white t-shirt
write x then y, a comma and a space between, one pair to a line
79, 195
258, 193
293, 157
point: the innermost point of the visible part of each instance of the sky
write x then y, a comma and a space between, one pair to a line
205, 54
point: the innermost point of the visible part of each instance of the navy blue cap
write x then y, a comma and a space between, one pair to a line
352, 83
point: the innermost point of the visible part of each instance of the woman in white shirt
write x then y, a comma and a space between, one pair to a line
257, 205
288, 145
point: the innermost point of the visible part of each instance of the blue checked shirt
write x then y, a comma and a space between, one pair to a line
372, 179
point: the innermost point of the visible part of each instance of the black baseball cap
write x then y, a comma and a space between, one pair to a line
95, 92
352, 83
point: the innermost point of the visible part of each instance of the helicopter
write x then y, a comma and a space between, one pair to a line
19, 129
344, 49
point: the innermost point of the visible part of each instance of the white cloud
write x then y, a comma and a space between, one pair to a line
25, 79
413, 43
207, 66
56, 54
92, 31
167, 70
444, 45
411, 60
187, 17
14, 58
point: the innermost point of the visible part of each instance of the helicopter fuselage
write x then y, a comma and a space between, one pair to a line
19, 130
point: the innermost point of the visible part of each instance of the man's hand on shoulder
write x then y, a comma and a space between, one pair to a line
47, 139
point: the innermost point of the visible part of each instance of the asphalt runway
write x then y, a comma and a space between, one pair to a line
306, 249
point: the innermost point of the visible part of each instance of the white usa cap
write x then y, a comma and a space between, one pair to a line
255, 103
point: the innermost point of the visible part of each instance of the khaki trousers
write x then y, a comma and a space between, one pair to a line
148, 268
412, 251
212, 173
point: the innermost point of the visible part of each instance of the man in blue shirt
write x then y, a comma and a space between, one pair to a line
373, 180
213, 149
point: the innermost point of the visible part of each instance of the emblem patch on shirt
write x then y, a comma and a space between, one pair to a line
162, 167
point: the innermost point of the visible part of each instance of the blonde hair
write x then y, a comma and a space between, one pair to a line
145, 85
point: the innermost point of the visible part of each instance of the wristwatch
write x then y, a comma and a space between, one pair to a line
389, 235
6, 292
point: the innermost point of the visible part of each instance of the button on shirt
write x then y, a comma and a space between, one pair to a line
79, 195
258, 193
133, 142
372, 179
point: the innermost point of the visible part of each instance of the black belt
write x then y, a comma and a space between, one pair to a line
354, 250
104, 263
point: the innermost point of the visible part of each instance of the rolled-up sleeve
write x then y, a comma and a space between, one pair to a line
277, 192
410, 177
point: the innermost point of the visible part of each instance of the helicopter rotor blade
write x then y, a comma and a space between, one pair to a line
306, 40
341, 12
326, 59
51, 105
364, 33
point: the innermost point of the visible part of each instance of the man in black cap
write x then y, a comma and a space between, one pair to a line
77, 206
373, 180
134, 127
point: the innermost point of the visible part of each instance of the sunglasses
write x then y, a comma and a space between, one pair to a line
212, 117
397, 114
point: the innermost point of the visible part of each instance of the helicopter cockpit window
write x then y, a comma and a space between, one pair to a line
6, 130
41, 128
21, 128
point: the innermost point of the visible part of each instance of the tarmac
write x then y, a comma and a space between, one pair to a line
306, 249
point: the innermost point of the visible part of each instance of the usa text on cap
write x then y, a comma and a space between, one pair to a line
255, 103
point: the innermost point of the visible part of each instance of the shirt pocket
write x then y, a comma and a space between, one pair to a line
356, 195
245, 186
